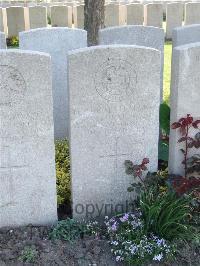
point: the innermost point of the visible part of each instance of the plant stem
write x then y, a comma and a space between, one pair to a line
186, 150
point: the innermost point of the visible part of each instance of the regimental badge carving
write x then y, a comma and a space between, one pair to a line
115, 80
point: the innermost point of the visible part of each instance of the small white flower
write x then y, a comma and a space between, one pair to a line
158, 257
119, 258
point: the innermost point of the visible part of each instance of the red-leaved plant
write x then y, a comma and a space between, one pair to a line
137, 171
190, 182
184, 125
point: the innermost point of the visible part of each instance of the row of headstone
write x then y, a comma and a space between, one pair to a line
16, 19
20, 19
58, 41
111, 105
114, 116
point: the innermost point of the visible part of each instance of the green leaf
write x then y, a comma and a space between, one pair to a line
163, 151
165, 118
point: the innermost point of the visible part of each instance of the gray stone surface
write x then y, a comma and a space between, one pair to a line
2, 41
79, 16
115, 15
37, 17
153, 15
192, 13
15, 20
185, 97
135, 14
27, 156
61, 16
136, 35
174, 17
57, 42
114, 113
185, 35
2, 20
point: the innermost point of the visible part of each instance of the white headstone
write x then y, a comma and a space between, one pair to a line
114, 111
15, 20
57, 42
136, 35
27, 156
115, 15
135, 14
3, 20
61, 16
192, 13
79, 16
2, 41
153, 15
185, 35
37, 17
185, 98
174, 17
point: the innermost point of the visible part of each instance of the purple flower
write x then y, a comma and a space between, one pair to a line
124, 218
114, 226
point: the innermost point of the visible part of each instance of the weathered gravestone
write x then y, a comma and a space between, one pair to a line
37, 17
192, 13
185, 98
174, 17
3, 21
15, 20
185, 35
57, 42
135, 14
136, 35
78, 12
2, 41
114, 113
61, 16
115, 15
27, 157
153, 15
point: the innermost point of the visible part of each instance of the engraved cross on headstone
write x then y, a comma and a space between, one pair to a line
6, 166
5, 159
116, 155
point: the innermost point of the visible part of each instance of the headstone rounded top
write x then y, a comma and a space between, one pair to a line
52, 29
187, 27
185, 35
132, 27
188, 46
110, 47
133, 35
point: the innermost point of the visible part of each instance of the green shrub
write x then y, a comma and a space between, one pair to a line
165, 118
28, 255
165, 214
49, 20
63, 172
68, 230
13, 41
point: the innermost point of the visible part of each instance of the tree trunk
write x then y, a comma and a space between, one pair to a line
94, 19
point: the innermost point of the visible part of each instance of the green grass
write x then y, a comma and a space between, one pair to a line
167, 71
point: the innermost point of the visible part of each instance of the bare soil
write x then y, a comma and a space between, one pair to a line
84, 252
